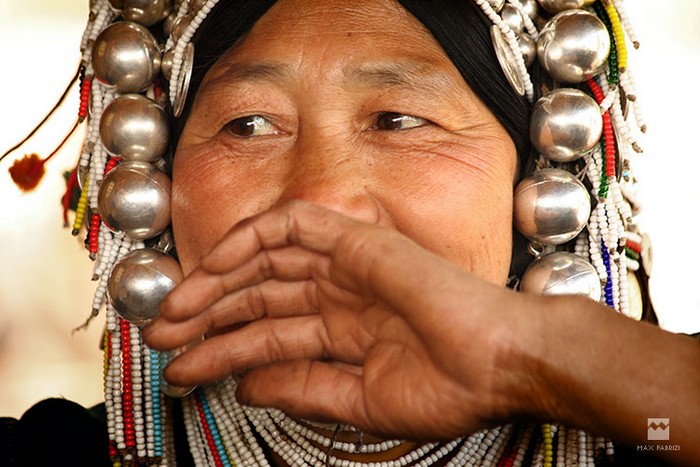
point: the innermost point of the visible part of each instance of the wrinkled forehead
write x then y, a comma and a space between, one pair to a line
357, 43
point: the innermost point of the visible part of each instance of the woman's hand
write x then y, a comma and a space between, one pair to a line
329, 318
332, 319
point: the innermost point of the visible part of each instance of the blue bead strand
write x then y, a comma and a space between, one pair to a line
223, 455
608, 283
156, 359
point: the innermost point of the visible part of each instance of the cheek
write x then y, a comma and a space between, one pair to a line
461, 211
207, 200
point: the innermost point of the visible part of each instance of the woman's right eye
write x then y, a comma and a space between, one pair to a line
251, 126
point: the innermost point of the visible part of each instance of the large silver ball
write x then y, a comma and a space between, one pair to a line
146, 12
126, 56
562, 273
565, 124
551, 206
573, 46
512, 17
134, 198
134, 127
139, 282
555, 6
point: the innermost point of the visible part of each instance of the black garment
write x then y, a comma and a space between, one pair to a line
60, 432
55, 432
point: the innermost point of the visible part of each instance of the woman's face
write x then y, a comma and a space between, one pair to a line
352, 105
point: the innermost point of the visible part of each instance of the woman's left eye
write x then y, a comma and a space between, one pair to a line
394, 121
251, 126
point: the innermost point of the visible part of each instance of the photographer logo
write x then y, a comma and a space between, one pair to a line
658, 429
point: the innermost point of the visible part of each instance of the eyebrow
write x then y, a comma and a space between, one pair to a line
409, 74
255, 71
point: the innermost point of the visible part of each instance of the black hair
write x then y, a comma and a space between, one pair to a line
225, 25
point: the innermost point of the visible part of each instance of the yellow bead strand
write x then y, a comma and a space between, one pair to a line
81, 209
619, 35
548, 444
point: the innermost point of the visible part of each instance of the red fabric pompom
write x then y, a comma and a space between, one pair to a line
28, 171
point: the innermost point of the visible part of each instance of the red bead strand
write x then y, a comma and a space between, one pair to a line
608, 132
111, 163
633, 245
94, 245
85, 88
207, 433
127, 395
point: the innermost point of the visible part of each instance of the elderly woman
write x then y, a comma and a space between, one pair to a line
342, 206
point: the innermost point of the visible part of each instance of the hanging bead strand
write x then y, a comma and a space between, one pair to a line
613, 71
626, 23
137, 390
619, 35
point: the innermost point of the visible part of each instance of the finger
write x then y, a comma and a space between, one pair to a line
297, 223
258, 343
202, 289
306, 389
272, 299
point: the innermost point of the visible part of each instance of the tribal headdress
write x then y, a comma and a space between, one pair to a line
574, 206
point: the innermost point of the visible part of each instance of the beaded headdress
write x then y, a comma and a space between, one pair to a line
576, 209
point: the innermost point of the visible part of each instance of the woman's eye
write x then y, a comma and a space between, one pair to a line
250, 126
394, 121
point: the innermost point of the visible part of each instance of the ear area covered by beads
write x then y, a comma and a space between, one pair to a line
576, 203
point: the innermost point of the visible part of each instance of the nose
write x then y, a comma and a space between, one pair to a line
335, 174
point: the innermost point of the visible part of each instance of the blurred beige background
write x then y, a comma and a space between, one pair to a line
45, 288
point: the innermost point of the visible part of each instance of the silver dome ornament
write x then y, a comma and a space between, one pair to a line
183, 81
507, 60
562, 273
135, 128
117, 4
497, 5
166, 63
167, 388
565, 124
512, 17
528, 47
179, 27
196, 5
126, 56
168, 23
134, 198
551, 206
555, 6
529, 8
138, 283
146, 12
573, 46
